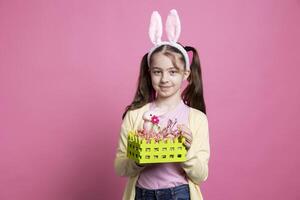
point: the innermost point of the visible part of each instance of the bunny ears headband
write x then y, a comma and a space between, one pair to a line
173, 29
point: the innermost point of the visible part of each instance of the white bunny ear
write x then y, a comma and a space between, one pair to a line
173, 27
155, 28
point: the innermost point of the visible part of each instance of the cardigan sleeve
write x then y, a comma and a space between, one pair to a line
123, 165
196, 165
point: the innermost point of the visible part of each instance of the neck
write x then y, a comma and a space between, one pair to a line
169, 102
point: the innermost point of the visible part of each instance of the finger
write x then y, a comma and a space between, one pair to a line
185, 129
187, 145
187, 137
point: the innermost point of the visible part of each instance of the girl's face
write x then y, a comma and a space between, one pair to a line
166, 78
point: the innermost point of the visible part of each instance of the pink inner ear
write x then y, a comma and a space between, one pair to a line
155, 29
173, 26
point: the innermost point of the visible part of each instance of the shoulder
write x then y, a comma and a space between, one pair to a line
197, 113
133, 118
139, 111
197, 116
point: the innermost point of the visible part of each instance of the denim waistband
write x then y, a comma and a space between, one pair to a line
171, 190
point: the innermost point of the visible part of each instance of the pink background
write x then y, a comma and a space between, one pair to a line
69, 68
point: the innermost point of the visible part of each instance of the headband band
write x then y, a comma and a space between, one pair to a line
173, 29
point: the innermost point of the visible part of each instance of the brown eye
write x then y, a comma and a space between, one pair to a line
156, 72
173, 72
150, 114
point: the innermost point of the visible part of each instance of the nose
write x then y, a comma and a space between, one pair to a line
165, 77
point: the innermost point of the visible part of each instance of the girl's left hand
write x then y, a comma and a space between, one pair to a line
187, 134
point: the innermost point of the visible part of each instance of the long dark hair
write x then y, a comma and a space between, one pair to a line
192, 95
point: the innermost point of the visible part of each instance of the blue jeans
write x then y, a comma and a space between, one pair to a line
180, 192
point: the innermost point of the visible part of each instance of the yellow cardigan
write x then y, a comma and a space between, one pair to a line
196, 166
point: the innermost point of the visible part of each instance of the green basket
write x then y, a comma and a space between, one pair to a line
155, 152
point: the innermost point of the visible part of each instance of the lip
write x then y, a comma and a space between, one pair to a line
165, 86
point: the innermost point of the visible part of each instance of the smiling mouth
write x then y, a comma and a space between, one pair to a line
165, 87
162, 86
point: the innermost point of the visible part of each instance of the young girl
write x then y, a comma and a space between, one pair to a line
163, 71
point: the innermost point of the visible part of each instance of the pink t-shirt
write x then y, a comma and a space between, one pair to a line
165, 175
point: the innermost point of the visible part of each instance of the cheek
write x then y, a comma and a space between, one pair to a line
154, 80
178, 81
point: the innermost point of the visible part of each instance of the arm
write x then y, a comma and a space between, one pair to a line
123, 165
196, 165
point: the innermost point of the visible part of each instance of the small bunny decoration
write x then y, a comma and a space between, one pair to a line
151, 120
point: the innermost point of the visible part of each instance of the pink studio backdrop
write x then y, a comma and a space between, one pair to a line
69, 68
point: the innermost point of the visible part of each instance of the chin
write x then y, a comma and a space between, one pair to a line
165, 95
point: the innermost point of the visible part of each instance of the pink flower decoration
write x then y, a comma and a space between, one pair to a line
154, 119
